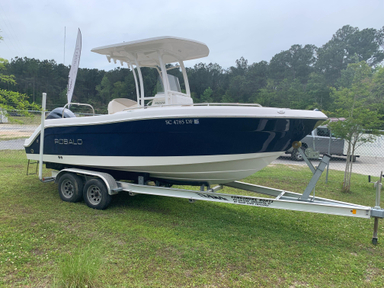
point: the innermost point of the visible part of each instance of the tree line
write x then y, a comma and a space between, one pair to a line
302, 77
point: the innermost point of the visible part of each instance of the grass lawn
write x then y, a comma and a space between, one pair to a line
150, 241
31, 119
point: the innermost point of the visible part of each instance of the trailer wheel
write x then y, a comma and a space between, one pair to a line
353, 159
96, 195
70, 187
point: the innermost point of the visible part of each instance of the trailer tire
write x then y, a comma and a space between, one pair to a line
70, 187
95, 194
353, 159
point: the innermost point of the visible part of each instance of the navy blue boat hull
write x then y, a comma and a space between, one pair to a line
210, 150
180, 137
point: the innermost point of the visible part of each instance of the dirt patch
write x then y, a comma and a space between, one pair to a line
8, 135
294, 167
12, 131
12, 134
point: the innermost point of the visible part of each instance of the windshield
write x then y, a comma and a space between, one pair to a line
173, 83
323, 132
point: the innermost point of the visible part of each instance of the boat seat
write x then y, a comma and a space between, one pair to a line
119, 104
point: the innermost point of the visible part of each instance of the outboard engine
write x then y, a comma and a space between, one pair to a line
57, 113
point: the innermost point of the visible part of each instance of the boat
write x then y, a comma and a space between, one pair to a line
167, 138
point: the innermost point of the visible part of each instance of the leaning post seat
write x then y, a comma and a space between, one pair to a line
119, 104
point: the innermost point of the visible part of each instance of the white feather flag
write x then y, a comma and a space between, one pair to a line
75, 66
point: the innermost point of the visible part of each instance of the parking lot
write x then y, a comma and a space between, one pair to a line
364, 165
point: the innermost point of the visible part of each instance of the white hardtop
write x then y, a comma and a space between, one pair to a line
157, 53
145, 51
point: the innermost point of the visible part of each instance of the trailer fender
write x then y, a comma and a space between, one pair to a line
108, 180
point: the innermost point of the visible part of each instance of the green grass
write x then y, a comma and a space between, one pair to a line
32, 119
81, 267
150, 241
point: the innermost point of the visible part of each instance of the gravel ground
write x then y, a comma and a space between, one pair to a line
16, 144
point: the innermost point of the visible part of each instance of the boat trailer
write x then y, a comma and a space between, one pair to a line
97, 188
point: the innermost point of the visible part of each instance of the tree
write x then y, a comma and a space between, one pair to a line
293, 64
378, 89
10, 100
319, 92
104, 89
9, 79
349, 45
362, 120
207, 96
268, 95
357, 129
202, 76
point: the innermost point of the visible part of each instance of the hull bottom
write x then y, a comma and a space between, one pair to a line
218, 169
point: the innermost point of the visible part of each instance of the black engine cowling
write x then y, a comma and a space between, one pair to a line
57, 113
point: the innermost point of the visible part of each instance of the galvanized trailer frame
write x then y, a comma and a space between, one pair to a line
282, 199
95, 193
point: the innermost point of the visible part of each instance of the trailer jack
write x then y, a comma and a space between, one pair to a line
376, 211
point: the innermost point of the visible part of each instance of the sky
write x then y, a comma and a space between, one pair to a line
253, 29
